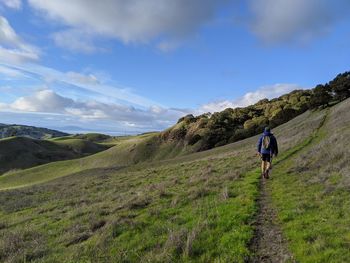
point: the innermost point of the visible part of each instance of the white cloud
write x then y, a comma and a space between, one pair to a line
48, 102
276, 21
249, 98
14, 4
166, 23
16, 56
126, 117
7, 35
87, 84
89, 79
42, 101
129, 21
75, 40
11, 72
12, 48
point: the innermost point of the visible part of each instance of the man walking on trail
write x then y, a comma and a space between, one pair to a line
267, 148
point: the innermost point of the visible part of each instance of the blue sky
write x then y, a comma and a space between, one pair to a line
134, 66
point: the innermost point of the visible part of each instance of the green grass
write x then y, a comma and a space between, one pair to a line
180, 212
311, 193
21, 152
115, 156
91, 137
120, 206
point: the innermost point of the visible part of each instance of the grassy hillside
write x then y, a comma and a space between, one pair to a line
311, 193
91, 137
11, 130
191, 134
122, 154
198, 207
127, 151
21, 152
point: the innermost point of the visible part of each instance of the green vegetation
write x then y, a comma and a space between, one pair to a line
143, 150
194, 208
21, 152
212, 130
11, 130
174, 212
311, 193
91, 137
127, 151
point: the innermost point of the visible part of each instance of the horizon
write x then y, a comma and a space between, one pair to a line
79, 130
115, 67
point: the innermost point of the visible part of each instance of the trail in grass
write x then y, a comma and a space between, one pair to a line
268, 244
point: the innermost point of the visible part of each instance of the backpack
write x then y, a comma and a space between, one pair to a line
266, 140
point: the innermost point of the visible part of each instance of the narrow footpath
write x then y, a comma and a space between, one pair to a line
268, 244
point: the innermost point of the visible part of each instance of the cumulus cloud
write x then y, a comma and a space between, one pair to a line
14, 4
281, 21
250, 98
12, 48
47, 101
129, 21
166, 23
42, 101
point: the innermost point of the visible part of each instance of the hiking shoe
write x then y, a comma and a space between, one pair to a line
267, 174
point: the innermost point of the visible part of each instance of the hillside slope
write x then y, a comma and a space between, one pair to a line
143, 149
10, 130
198, 207
91, 137
311, 192
21, 152
193, 134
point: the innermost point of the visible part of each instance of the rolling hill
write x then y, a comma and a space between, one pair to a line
91, 137
190, 134
10, 130
198, 207
21, 152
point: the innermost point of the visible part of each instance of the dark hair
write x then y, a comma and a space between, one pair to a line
267, 129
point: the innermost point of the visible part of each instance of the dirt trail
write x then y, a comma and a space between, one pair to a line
268, 244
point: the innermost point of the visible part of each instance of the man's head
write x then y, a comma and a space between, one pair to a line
267, 130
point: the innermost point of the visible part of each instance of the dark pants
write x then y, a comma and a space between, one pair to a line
266, 157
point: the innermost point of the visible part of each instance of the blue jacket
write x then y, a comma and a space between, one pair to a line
273, 149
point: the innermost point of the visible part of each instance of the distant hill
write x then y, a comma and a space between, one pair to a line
10, 130
22, 152
91, 137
